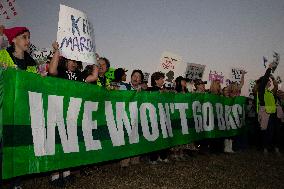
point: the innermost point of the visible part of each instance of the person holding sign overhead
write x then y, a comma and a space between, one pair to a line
267, 111
69, 69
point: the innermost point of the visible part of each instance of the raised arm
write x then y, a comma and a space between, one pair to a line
94, 75
55, 60
243, 79
265, 79
275, 87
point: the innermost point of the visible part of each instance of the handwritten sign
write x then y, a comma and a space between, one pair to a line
146, 76
8, 12
42, 55
275, 62
214, 75
170, 64
236, 75
32, 49
227, 82
278, 80
194, 71
75, 35
251, 86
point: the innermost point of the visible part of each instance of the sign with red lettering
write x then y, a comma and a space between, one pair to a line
169, 65
8, 11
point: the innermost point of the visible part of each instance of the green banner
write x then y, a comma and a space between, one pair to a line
51, 123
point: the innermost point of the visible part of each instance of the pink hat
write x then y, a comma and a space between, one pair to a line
14, 32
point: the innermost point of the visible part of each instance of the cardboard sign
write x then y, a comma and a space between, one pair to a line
236, 75
170, 65
251, 86
146, 76
227, 82
32, 49
194, 71
42, 55
275, 62
8, 12
214, 75
279, 80
75, 35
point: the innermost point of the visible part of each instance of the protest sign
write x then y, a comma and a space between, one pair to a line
279, 82
9, 12
275, 62
251, 86
236, 75
278, 79
54, 125
227, 82
42, 55
146, 76
214, 75
194, 71
170, 64
75, 35
32, 49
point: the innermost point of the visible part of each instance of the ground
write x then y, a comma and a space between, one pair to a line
249, 169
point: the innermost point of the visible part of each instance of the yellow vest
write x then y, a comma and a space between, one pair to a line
109, 77
5, 58
269, 101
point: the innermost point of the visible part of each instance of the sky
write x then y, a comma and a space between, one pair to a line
220, 34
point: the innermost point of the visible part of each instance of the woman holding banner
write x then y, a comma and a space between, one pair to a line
17, 56
157, 83
70, 70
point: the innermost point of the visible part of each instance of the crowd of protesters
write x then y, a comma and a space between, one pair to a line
264, 111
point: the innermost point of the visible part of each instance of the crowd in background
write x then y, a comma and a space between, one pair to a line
264, 112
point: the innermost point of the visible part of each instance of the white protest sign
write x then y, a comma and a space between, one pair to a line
41, 55
275, 62
9, 12
170, 64
236, 75
194, 71
75, 35
251, 86
32, 49
278, 79
146, 76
